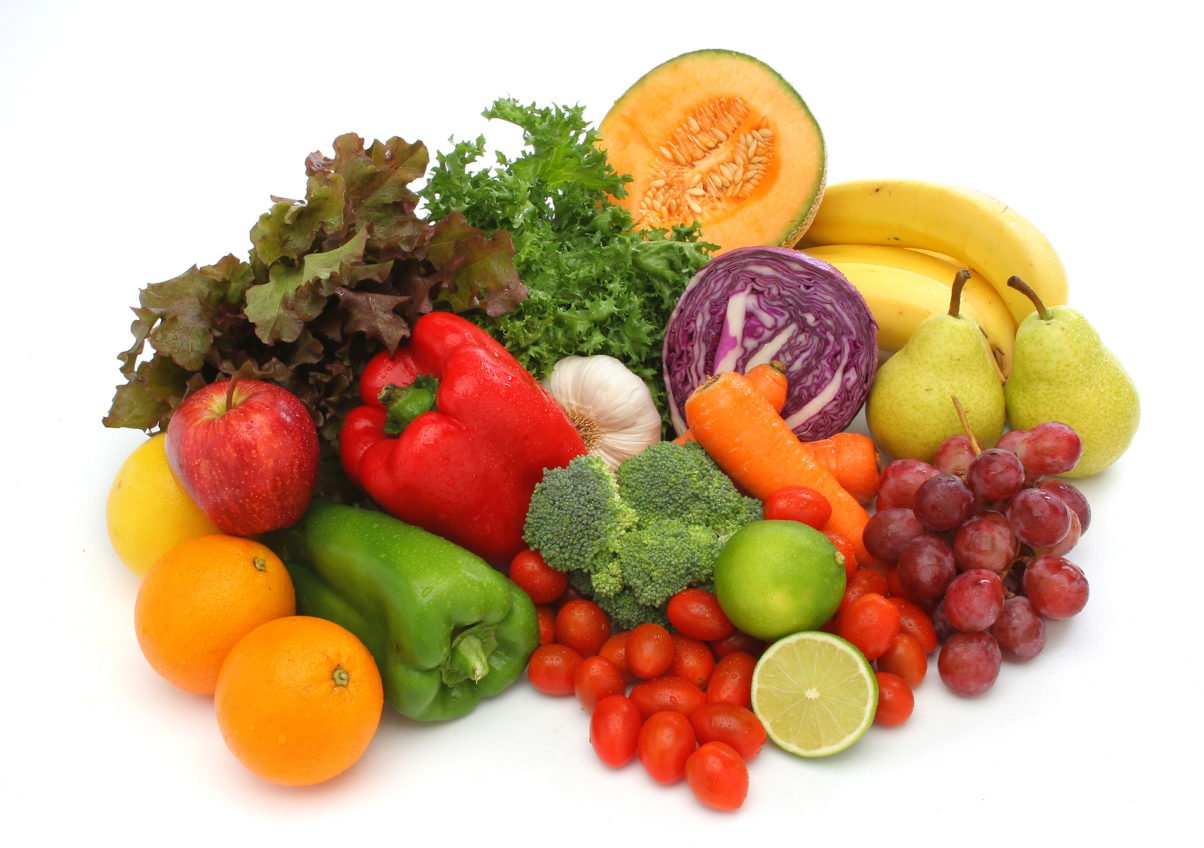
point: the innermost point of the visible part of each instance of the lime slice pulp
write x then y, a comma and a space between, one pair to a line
815, 693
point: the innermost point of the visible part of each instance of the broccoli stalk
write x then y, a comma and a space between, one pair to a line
632, 539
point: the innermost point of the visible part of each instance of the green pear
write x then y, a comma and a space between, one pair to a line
1062, 372
910, 409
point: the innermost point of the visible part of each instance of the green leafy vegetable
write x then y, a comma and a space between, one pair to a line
596, 285
329, 281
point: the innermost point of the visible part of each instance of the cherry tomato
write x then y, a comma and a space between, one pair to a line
543, 583
918, 623
614, 730
696, 613
615, 650
595, 679
717, 776
905, 657
552, 669
665, 742
799, 503
692, 660
667, 694
547, 624
895, 700
846, 550
649, 650
870, 623
731, 724
863, 582
738, 642
731, 681
583, 626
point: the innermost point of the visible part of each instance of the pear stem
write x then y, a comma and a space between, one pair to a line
1027, 290
961, 415
955, 296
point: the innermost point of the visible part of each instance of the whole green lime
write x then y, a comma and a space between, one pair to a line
774, 578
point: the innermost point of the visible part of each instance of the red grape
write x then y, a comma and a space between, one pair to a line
899, 480
1019, 631
1073, 498
1038, 517
954, 455
926, 567
969, 662
1057, 587
1051, 448
888, 531
1012, 440
995, 475
1064, 545
985, 541
974, 600
942, 502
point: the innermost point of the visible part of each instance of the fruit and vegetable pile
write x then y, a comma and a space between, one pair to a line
586, 416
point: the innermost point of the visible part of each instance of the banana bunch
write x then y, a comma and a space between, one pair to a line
901, 243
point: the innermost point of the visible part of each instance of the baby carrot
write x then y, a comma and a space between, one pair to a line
853, 460
755, 446
768, 379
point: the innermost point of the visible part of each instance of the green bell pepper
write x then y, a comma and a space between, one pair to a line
445, 627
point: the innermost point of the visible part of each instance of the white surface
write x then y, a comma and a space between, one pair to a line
139, 140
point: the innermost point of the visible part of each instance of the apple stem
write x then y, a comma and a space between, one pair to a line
961, 415
955, 296
1027, 290
230, 390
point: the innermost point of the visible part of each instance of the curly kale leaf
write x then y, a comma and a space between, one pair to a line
596, 285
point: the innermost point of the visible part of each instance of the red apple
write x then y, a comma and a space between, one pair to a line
246, 451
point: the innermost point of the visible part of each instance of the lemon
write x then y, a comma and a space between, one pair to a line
815, 693
147, 511
778, 577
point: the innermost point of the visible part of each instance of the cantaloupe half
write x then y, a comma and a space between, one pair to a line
719, 138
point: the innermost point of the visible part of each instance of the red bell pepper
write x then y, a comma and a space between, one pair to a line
453, 436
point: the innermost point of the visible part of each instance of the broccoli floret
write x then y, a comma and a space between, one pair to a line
663, 556
668, 480
632, 539
625, 612
576, 517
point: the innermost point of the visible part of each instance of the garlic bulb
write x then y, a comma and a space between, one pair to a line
610, 406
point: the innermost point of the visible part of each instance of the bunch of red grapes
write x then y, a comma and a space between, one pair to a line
980, 538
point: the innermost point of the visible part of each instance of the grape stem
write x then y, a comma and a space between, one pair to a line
961, 415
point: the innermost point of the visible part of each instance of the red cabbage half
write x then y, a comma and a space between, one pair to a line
757, 304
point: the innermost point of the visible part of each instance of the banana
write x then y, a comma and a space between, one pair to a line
974, 229
903, 287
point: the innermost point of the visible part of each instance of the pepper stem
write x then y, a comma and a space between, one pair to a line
469, 656
405, 403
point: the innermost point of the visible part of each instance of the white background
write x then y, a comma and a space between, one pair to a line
138, 140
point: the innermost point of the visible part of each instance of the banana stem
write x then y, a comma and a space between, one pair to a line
955, 296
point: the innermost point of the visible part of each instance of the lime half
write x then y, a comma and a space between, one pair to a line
815, 693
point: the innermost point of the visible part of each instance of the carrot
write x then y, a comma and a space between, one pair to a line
755, 446
853, 460
768, 379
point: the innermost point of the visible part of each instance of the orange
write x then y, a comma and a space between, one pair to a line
200, 598
147, 511
299, 700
